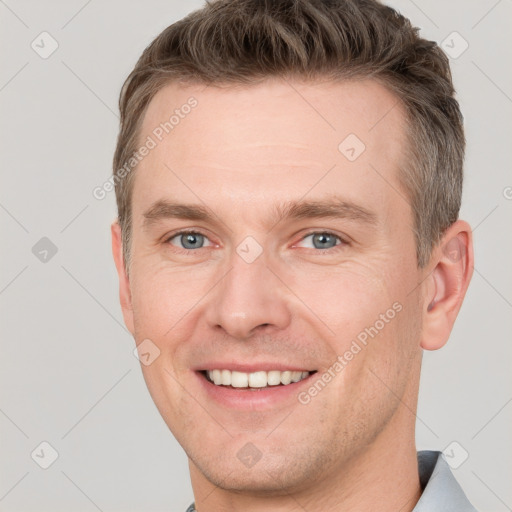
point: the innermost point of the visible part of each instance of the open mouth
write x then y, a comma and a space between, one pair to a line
255, 380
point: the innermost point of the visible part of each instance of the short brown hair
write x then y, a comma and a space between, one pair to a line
246, 41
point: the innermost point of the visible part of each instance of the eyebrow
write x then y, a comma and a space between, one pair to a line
332, 207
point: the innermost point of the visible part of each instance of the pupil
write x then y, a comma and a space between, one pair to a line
323, 239
191, 239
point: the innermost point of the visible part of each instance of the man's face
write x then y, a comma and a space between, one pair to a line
251, 291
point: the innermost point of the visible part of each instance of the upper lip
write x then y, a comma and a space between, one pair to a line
252, 367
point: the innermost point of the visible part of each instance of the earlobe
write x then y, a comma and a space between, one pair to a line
445, 287
125, 296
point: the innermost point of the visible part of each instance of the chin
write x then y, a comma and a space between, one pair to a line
273, 475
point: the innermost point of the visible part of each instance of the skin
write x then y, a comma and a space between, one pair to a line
239, 152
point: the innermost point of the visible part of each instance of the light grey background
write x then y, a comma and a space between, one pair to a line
68, 373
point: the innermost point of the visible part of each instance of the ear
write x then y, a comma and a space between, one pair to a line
125, 295
451, 267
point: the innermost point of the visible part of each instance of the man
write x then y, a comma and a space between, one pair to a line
288, 178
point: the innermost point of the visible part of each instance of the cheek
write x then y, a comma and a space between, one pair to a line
161, 303
389, 348
376, 371
346, 300
162, 298
370, 321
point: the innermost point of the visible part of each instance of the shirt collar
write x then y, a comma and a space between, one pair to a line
440, 489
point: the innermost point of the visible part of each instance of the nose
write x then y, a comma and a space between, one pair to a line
249, 297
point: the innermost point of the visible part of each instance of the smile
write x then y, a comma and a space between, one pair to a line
258, 379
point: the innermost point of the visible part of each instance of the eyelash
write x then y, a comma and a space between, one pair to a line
342, 243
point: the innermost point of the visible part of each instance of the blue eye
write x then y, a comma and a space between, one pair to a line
323, 240
189, 239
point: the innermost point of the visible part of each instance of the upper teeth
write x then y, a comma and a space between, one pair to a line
255, 379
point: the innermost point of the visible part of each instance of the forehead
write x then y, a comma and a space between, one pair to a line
229, 114
272, 140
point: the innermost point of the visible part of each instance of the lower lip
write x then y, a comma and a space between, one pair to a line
252, 398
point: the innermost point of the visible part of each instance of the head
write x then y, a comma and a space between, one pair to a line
315, 153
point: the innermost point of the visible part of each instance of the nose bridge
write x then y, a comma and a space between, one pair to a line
249, 295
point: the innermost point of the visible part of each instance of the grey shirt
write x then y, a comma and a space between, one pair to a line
441, 492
